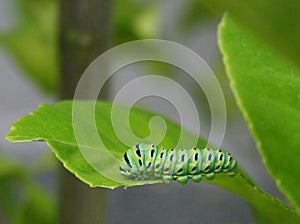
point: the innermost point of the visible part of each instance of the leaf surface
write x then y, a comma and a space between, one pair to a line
54, 125
267, 91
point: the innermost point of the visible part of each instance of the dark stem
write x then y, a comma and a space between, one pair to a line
85, 33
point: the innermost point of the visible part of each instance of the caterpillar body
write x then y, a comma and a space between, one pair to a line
147, 161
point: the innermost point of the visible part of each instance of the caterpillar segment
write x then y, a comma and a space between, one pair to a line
147, 161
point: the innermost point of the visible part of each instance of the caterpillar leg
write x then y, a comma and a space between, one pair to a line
196, 178
210, 176
182, 179
232, 173
167, 178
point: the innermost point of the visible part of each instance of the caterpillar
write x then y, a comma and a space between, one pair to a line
147, 161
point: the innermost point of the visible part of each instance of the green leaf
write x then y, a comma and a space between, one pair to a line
267, 91
33, 42
275, 22
54, 125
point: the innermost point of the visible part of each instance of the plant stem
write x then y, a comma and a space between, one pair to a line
85, 33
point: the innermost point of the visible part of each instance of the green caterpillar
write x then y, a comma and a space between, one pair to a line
146, 161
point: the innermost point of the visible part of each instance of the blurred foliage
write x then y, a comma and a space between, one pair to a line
195, 14
32, 42
9, 173
275, 22
22, 199
139, 20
